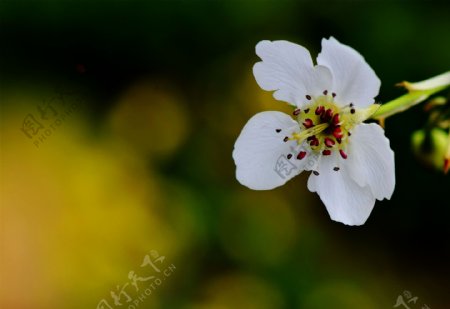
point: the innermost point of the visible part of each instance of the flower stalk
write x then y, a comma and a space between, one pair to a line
417, 93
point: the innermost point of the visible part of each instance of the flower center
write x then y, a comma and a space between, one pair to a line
326, 125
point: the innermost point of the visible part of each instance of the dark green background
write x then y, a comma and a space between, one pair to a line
205, 51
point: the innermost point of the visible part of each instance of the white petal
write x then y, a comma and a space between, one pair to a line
354, 81
260, 154
287, 69
371, 161
345, 200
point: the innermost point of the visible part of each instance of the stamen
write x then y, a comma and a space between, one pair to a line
327, 115
336, 169
335, 119
349, 134
328, 128
301, 155
314, 142
329, 142
337, 133
285, 139
302, 135
316, 173
308, 123
278, 130
343, 154
319, 110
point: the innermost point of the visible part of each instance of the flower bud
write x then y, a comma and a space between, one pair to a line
430, 147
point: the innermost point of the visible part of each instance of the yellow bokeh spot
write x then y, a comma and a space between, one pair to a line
151, 118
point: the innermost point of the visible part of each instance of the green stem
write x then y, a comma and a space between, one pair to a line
405, 102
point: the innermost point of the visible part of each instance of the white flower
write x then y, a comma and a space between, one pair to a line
351, 162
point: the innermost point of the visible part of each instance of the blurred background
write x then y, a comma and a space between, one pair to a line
118, 120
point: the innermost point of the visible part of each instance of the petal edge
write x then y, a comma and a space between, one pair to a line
260, 150
354, 81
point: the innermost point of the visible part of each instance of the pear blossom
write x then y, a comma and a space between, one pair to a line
351, 162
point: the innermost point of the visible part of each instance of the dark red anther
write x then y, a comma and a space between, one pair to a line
339, 140
335, 119
327, 115
337, 133
316, 173
333, 94
308, 97
310, 138
352, 111
343, 154
336, 169
306, 110
278, 130
289, 156
285, 139
349, 134
296, 112
329, 142
308, 123
314, 142
319, 110
326, 152
325, 92
301, 155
